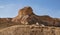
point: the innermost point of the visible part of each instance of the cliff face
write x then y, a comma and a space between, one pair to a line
26, 16
27, 23
23, 14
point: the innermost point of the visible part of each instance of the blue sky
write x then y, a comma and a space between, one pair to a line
9, 8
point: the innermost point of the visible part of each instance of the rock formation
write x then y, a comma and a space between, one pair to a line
26, 16
23, 14
27, 23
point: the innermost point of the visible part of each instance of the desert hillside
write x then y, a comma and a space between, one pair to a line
28, 23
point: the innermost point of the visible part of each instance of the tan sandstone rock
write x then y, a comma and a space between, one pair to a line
26, 16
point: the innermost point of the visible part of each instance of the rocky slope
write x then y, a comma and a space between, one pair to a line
27, 23
30, 30
26, 16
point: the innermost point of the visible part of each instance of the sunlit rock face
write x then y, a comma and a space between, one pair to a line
23, 14
32, 24
26, 16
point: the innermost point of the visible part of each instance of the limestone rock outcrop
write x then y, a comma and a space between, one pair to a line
26, 16
28, 23
23, 14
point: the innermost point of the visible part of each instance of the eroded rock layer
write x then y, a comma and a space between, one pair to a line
26, 16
